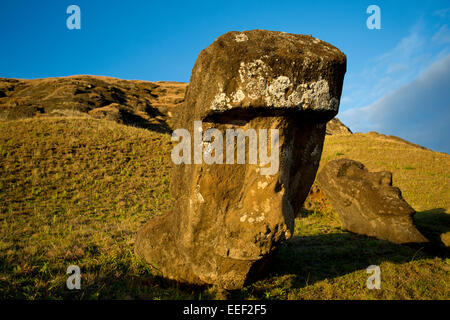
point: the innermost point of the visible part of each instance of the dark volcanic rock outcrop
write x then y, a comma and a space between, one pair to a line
367, 203
336, 127
126, 101
229, 218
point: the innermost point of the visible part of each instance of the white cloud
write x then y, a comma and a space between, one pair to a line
399, 67
443, 13
406, 90
408, 46
418, 111
388, 71
442, 36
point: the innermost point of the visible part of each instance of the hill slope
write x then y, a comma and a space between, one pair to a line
75, 190
138, 103
75, 187
422, 175
144, 104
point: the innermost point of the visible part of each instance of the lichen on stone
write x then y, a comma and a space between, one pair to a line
241, 37
220, 102
316, 95
279, 92
238, 96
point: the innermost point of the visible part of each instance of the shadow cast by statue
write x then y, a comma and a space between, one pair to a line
158, 125
433, 223
309, 259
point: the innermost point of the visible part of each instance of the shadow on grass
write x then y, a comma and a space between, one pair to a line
134, 287
305, 259
309, 259
433, 223
157, 125
104, 281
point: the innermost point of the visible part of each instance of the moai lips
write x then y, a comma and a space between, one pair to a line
229, 217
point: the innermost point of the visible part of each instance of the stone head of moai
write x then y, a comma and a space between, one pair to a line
254, 121
367, 202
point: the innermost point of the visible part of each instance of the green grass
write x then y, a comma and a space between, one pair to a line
76, 191
422, 175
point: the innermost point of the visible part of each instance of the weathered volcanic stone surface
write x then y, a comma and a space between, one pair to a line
367, 203
445, 238
229, 218
336, 127
275, 70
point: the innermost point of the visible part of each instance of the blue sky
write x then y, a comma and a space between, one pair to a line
397, 79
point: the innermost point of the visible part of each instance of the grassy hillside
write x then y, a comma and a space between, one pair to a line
140, 103
76, 190
422, 175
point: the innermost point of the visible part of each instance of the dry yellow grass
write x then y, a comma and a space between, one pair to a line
422, 175
75, 190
